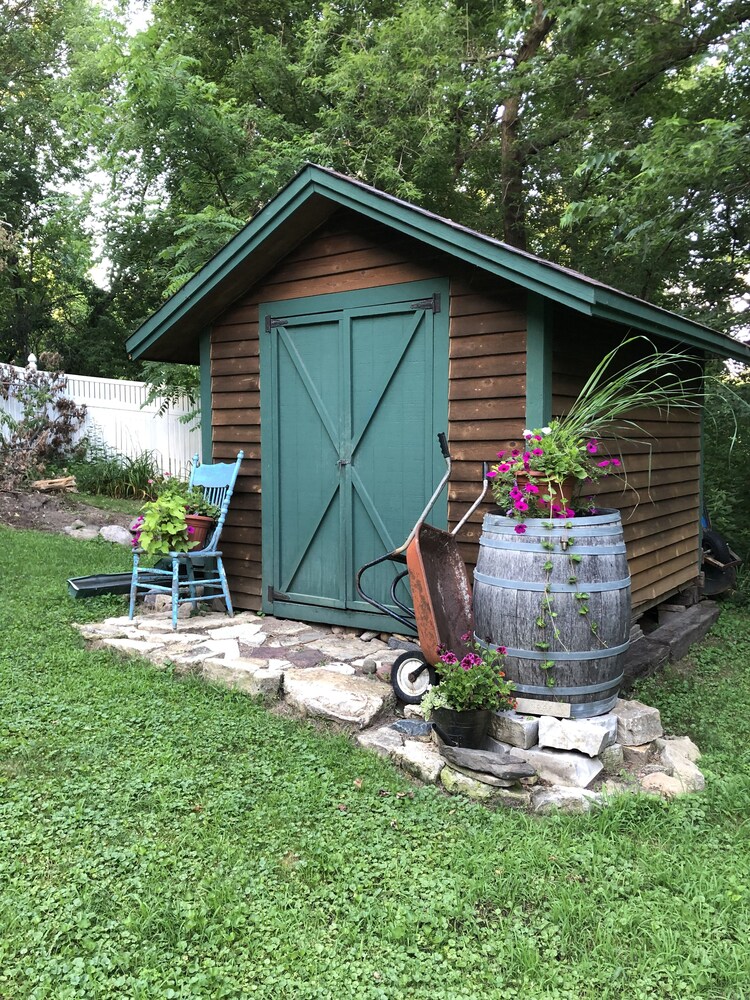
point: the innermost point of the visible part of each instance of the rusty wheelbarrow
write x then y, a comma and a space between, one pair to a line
440, 591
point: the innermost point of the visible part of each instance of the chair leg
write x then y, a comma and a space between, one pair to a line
191, 578
224, 586
175, 591
133, 587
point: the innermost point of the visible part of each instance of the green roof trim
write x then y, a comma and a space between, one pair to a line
316, 192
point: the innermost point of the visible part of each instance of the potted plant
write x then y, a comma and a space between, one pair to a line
546, 475
177, 520
471, 686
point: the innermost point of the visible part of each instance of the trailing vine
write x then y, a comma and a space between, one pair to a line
547, 613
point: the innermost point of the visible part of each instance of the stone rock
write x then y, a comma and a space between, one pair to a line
383, 740
638, 756
516, 729
537, 706
242, 632
483, 777
680, 631
568, 800
320, 692
383, 671
402, 645
86, 533
558, 767
137, 646
227, 648
512, 798
419, 759
498, 763
413, 712
681, 766
368, 636
681, 745
253, 677
368, 666
461, 784
663, 784
637, 723
117, 534
589, 736
414, 729
612, 758
339, 648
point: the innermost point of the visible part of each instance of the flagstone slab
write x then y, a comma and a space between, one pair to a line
131, 645
383, 740
421, 760
253, 677
324, 694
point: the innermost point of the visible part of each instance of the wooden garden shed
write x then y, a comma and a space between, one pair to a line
342, 329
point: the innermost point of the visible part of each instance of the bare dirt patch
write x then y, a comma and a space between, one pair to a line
53, 512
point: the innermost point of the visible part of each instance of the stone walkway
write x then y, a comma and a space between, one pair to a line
343, 675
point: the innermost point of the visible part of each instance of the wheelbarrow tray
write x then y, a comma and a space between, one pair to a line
440, 590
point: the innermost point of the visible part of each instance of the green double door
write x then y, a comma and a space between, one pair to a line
354, 390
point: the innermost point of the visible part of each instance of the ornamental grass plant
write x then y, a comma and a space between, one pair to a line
551, 474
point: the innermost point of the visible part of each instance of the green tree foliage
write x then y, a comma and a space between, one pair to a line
47, 93
609, 138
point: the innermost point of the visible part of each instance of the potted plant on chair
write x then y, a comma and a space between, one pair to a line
178, 520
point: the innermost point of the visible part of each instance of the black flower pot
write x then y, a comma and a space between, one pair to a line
462, 729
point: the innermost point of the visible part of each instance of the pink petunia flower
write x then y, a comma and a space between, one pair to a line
538, 437
616, 461
604, 464
521, 505
520, 529
531, 488
570, 513
449, 658
515, 493
592, 448
515, 453
537, 451
491, 474
503, 467
500, 454
526, 456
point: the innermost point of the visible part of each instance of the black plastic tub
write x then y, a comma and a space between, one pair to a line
105, 583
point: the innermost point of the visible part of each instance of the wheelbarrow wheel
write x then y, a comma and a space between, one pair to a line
412, 677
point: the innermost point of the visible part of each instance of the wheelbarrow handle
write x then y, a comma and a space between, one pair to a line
444, 445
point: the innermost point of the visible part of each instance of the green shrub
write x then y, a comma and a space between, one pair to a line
106, 473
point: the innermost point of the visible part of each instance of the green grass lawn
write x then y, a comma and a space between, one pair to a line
162, 838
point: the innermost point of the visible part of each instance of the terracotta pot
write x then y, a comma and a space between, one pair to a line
562, 493
462, 729
201, 526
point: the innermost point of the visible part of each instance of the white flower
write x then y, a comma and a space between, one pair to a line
546, 430
527, 433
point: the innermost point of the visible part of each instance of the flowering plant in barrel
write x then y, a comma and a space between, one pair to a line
546, 475
549, 473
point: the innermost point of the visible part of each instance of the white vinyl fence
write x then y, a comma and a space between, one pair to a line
117, 420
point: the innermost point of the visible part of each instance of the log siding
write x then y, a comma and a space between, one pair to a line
486, 390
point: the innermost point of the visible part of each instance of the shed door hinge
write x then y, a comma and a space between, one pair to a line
274, 321
433, 303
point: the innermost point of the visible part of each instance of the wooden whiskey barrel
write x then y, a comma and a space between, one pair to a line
564, 584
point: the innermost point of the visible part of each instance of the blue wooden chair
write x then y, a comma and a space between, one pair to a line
218, 482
